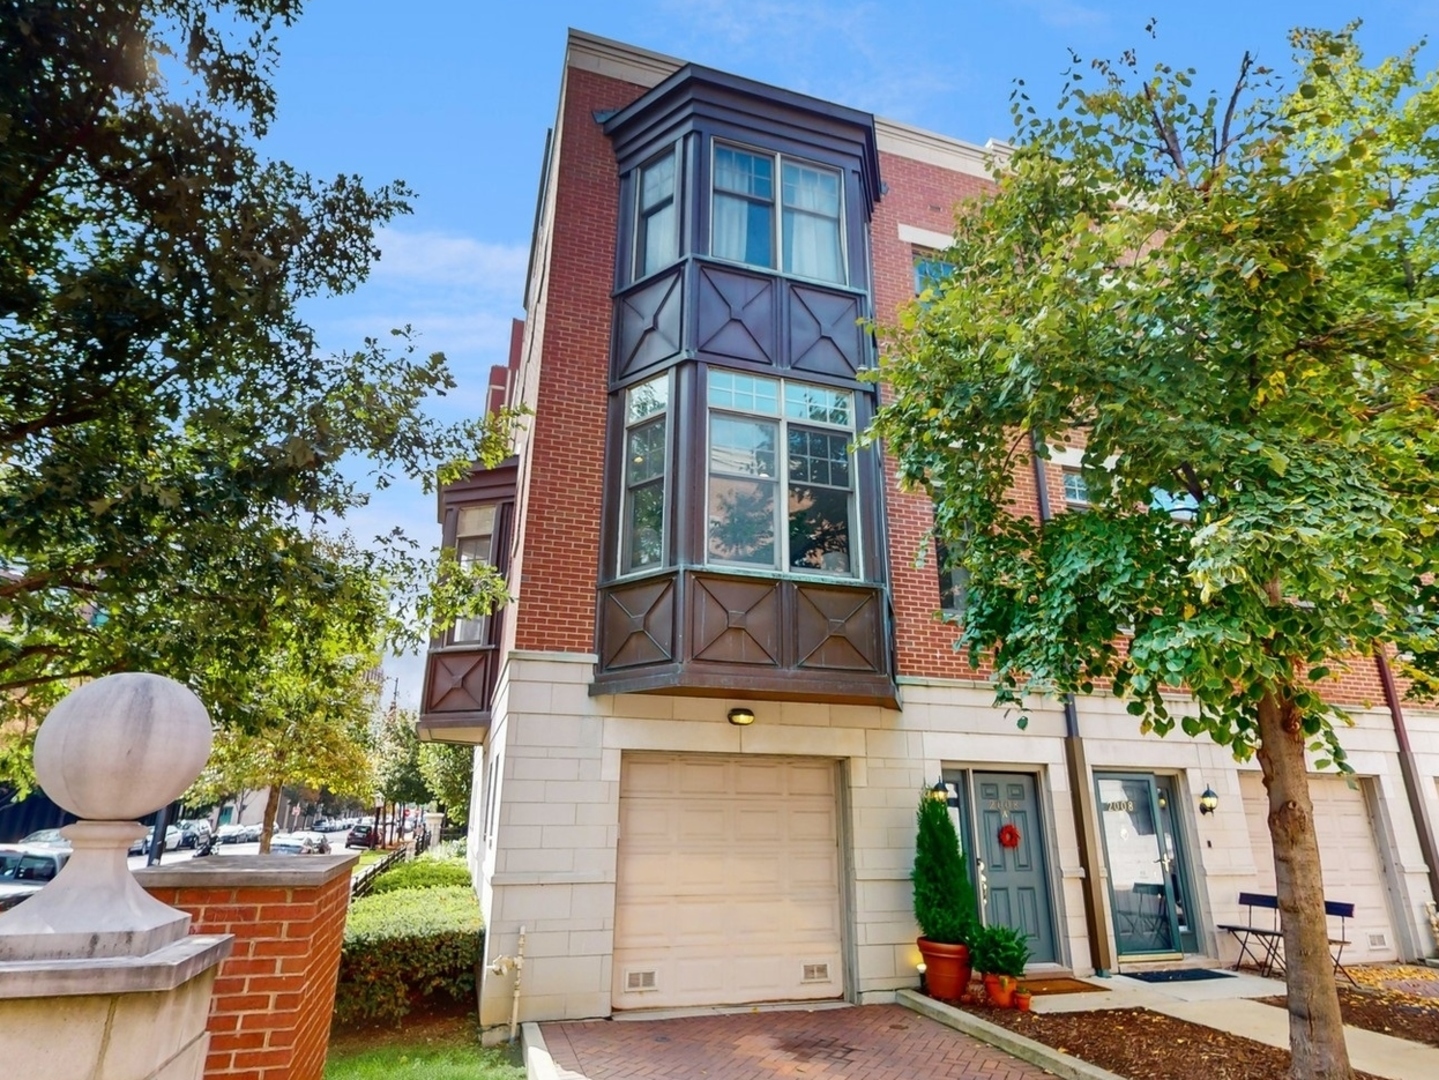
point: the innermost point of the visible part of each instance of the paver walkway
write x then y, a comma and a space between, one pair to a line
867, 1042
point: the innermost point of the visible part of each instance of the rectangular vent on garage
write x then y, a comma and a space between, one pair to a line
816, 973
1378, 941
637, 981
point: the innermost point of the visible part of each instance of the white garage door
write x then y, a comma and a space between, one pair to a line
1353, 872
728, 881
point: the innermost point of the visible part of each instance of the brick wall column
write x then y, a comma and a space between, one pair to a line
274, 996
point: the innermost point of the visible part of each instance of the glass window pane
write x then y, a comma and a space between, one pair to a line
743, 393
811, 223
646, 399
807, 188
645, 453
741, 521
818, 457
743, 230
658, 245
1075, 489
476, 521
472, 550
657, 182
744, 174
819, 529
818, 404
745, 447
644, 527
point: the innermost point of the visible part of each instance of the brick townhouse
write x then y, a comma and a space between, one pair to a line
702, 727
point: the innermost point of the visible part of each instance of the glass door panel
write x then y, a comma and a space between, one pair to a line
1176, 868
1140, 891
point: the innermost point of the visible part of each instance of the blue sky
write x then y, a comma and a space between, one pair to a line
454, 97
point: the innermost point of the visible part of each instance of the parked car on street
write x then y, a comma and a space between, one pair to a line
142, 846
46, 836
231, 834
301, 843
193, 832
26, 869
360, 836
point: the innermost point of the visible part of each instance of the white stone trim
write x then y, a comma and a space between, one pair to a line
956, 155
925, 238
617, 60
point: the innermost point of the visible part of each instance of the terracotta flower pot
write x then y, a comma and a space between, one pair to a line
1000, 990
946, 968
1022, 1000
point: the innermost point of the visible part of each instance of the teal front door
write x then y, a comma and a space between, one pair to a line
1146, 892
1010, 872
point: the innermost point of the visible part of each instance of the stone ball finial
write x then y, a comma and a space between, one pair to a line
122, 746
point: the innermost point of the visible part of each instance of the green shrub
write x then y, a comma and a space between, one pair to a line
943, 900
999, 950
422, 873
405, 946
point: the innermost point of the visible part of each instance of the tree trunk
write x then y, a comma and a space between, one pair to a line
267, 827
1316, 1031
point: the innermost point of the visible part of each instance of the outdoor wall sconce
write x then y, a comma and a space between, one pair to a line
741, 717
1208, 801
939, 793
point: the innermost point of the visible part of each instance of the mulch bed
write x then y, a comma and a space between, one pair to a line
1388, 1012
1147, 1045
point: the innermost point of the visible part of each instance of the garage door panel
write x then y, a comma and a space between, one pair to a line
701, 777
735, 898
1348, 853
759, 778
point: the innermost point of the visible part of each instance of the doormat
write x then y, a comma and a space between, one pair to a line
1062, 984
1183, 975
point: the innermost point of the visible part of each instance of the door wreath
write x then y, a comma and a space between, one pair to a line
1008, 836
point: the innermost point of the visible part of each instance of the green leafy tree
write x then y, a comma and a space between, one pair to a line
170, 430
397, 760
449, 772
314, 704
1229, 302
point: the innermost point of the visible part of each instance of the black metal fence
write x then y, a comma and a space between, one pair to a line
364, 881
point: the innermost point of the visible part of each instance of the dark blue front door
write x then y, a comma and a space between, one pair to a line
1012, 880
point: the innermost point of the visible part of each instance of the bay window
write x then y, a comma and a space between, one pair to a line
646, 445
810, 214
781, 477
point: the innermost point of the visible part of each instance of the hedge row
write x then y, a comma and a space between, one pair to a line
405, 946
422, 873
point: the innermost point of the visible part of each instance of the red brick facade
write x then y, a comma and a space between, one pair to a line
274, 995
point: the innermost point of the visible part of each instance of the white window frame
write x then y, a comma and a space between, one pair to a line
776, 224
781, 564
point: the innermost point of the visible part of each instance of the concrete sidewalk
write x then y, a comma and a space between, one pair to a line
1226, 1005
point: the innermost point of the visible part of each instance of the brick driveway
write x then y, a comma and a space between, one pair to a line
870, 1042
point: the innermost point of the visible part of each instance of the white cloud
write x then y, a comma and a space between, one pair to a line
451, 262
1065, 13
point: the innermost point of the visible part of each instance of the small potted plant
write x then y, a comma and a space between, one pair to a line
1000, 952
1022, 998
943, 899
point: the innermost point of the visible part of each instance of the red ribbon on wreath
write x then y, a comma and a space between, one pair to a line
1008, 836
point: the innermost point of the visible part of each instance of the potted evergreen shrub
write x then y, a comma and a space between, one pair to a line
943, 899
1000, 953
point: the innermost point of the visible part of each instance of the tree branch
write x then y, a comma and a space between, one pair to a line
1167, 134
1224, 141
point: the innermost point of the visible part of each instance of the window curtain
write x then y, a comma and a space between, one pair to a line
811, 224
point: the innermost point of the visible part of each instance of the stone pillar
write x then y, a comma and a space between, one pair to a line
276, 993
434, 821
99, 980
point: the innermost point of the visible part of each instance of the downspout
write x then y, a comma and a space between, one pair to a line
1409, 769
1081, 792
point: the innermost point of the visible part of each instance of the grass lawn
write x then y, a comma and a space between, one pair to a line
439, 1048
368, 856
